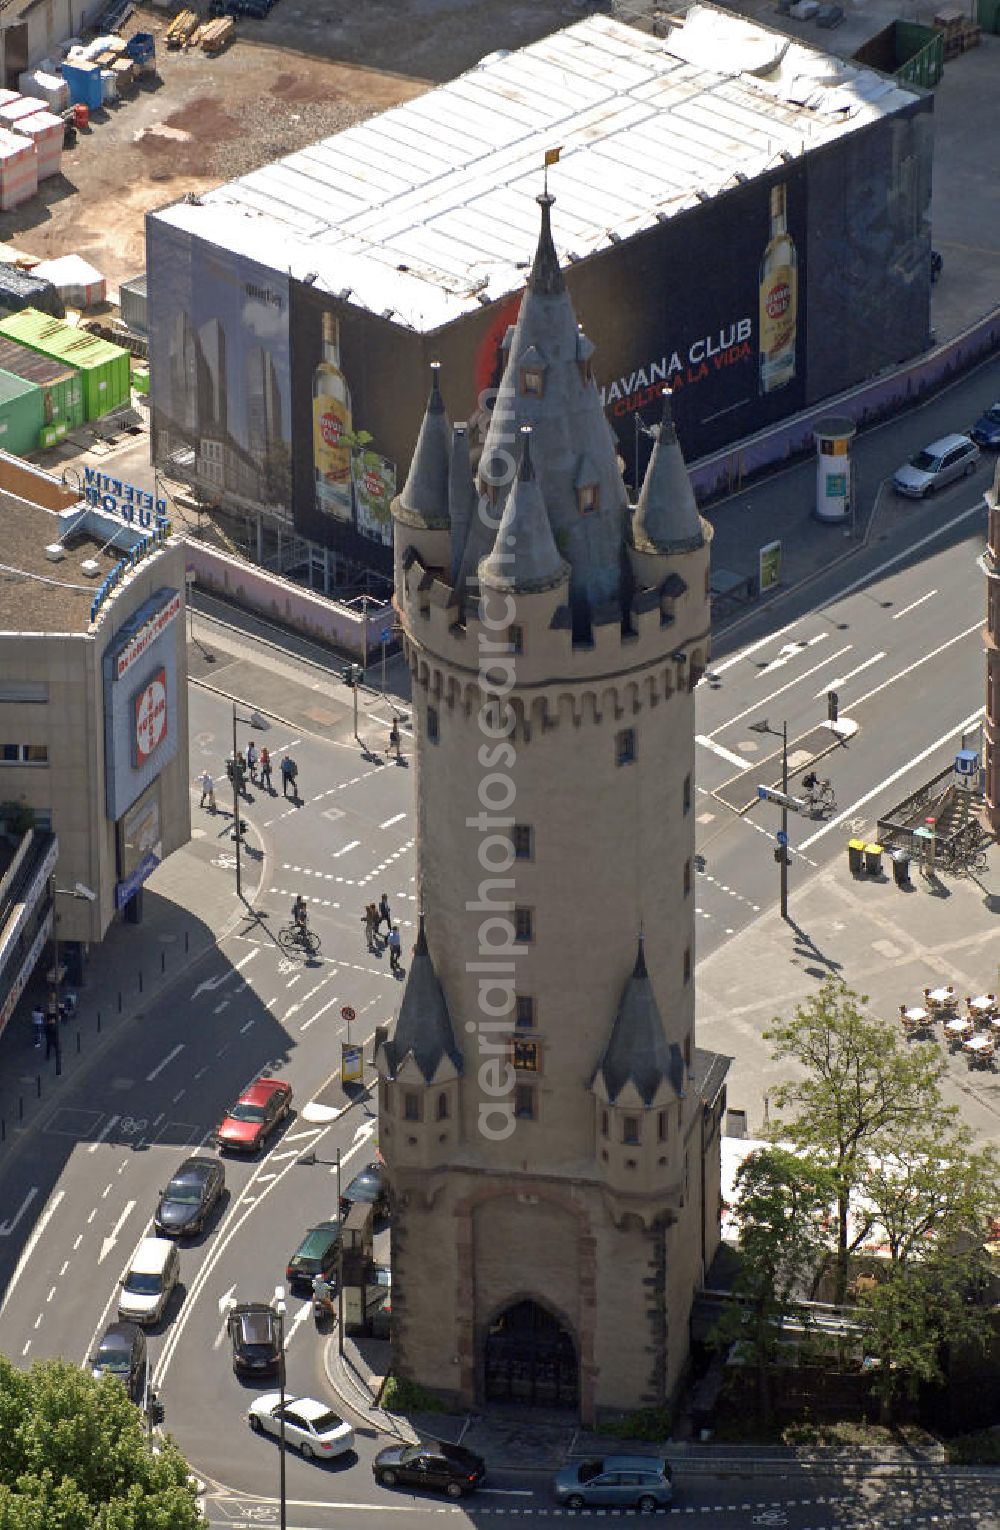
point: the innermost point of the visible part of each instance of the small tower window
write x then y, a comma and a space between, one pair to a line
524, 925
625, 746
526, 1056
533, 381
687, 878
604, 1123
631, 1131
687, 1051
442, 1106
525, 1102
525, 1010
687, 964
587, 498
515, 639
433, 729
687, 793
522, 841
411, 1105
662, 1126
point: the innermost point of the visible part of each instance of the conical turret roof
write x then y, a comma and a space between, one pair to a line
524, 556
425, 493
548, 385
638, 1051
666, 518
423, 1027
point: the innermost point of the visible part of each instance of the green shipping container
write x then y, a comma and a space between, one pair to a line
103, 367
21, 417
60, 386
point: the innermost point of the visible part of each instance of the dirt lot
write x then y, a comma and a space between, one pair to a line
304, 73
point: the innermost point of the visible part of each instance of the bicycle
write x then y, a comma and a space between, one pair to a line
296, 937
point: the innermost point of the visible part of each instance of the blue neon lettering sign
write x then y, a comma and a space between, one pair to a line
125, 500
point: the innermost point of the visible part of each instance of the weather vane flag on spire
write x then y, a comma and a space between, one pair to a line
551, 158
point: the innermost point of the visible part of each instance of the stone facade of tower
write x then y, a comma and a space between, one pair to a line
991, 728
550, 1129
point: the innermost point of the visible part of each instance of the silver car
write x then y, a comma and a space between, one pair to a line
621, 1482
938, 464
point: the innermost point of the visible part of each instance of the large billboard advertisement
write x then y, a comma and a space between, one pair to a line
140, 700
220, 376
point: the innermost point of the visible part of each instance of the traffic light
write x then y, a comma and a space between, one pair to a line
352, 675
832, 703
782, 856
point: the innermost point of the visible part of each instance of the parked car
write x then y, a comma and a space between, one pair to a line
443, 1468
247, 1125
190, 1197
367, 1187
986, 431
310, 1426
938, 464
122, 1353
253, 1331
315, 1255
147, 1287
622, 1482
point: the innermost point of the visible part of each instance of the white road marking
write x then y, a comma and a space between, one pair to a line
913, 605
220, 1007
32, 1243
6, 1228
112, 1237
958, 638
105, 1132
174, 1052
226, 1298
65, 1267
831, 685
744, 653
77, 1241
398, 818
788, 652
307, 1023
724, 754
352, 845
304, 1311
245, 1028
917, 759
773, 695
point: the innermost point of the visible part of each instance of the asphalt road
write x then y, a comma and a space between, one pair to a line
905, 654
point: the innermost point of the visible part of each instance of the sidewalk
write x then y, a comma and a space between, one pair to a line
883, 941
189, 904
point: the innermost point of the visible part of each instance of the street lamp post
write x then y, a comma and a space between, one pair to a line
81, 892
764, 727
279, 1309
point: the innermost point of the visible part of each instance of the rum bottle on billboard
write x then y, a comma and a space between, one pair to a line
332, 428
779, 300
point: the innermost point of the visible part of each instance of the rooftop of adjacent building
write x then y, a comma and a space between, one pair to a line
38, 594
425, 212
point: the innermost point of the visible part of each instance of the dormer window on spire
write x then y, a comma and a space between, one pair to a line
533, 367
586, 484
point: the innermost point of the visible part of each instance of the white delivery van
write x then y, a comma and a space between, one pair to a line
151, 1277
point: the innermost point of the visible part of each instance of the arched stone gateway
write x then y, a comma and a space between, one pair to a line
530, 1358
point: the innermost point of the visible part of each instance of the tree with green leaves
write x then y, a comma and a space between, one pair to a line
933, 1193
74, 1456
782, 1202
915, 1313
859, 1091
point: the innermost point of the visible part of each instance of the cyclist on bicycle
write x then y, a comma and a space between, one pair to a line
300, 918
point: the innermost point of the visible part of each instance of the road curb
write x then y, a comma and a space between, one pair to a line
353, 1395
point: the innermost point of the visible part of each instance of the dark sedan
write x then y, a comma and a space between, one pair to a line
986, 431
367, 1188
253, 1329
122, 1353
443, 1468
191, 1196
315, 1255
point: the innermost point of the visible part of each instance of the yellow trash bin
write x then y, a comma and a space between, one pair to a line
873, 860
856, 856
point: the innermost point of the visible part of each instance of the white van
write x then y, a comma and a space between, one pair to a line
151, 1277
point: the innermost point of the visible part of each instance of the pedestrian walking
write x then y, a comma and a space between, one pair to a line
289, 777
394, 943
207, 791
252, 761
51, 1036
383, 912
371, 925
265, 768
38, 1021
394, 739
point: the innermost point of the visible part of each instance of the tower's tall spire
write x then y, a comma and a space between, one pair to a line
546, 278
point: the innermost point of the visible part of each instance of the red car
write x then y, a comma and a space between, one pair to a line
259, 1109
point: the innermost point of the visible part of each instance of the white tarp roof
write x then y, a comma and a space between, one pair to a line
429, 210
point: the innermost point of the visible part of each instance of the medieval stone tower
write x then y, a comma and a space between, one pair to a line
550, 1129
